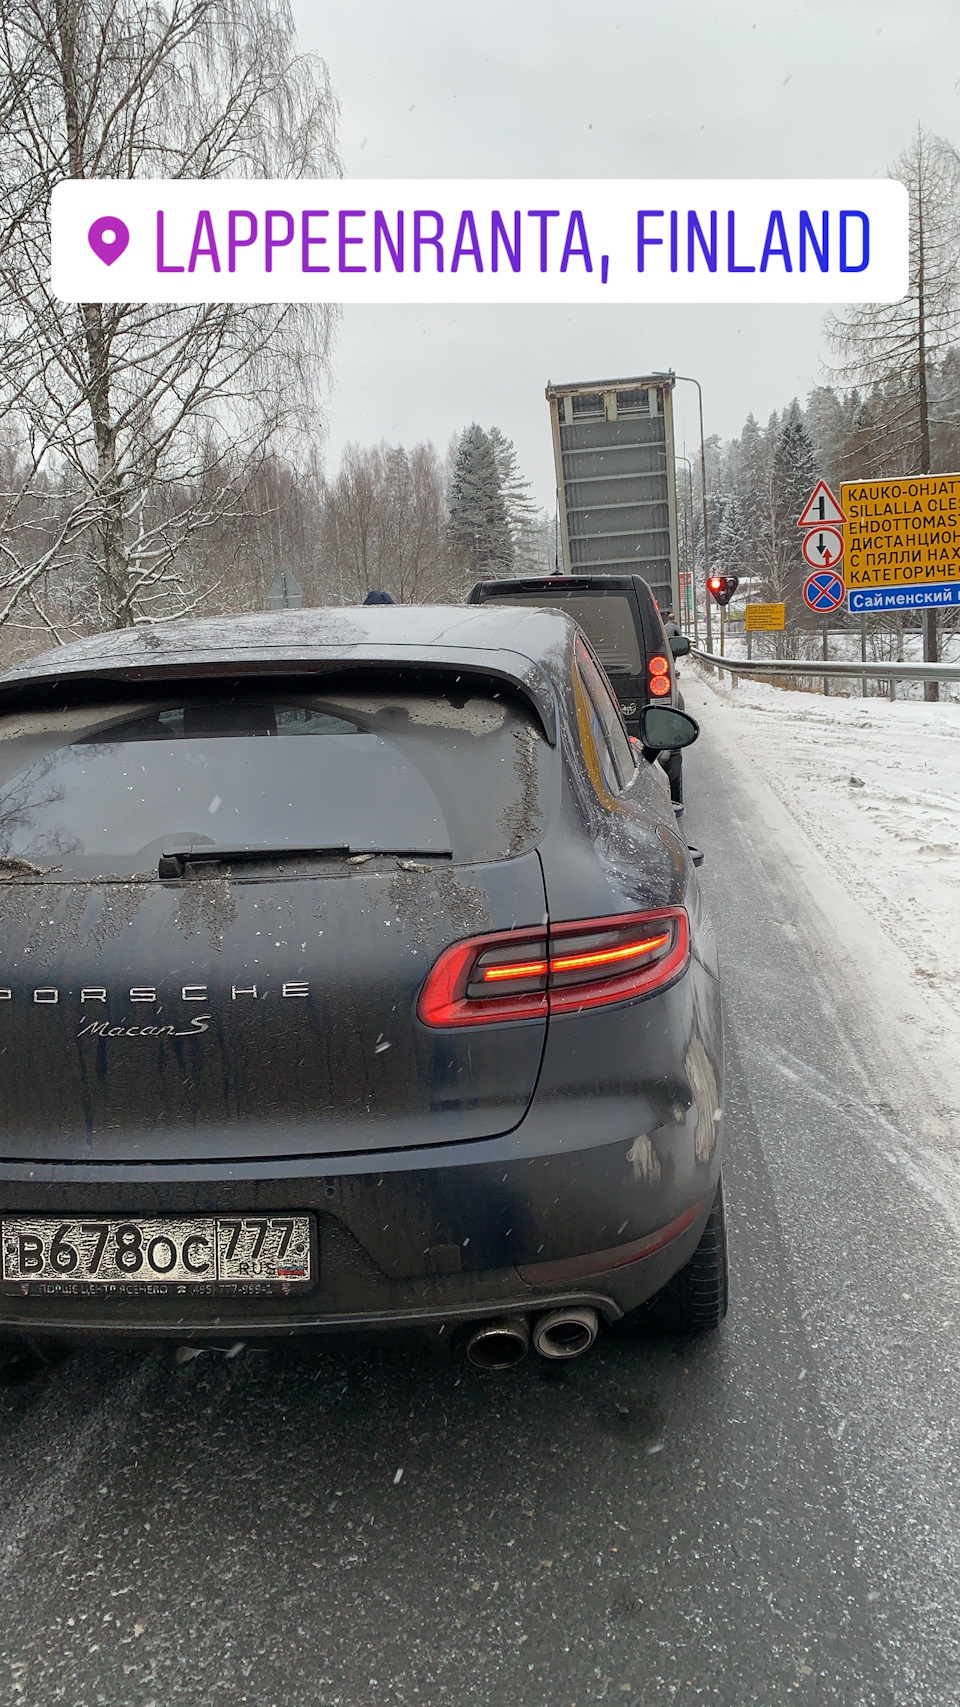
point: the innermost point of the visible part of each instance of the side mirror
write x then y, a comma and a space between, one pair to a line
679, 645
664, 729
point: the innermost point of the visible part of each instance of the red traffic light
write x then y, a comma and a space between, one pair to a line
723, 587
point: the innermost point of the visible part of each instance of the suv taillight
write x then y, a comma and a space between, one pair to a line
527, 974
659, 670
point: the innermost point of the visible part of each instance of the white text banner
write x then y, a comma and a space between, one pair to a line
451, 240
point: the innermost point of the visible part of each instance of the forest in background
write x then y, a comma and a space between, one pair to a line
758, 483
893, 409
160, 461
420, 526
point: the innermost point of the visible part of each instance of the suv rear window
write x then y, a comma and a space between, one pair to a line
105, 791
607, 619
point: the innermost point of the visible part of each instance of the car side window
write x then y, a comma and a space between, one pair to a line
606, 713
596, 748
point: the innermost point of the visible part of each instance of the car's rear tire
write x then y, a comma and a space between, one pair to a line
695, 1300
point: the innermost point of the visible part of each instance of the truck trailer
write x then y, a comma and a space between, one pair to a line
616, 480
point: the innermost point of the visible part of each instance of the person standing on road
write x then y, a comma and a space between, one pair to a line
674, 632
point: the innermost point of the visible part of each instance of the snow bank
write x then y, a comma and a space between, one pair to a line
860, 799
876, 786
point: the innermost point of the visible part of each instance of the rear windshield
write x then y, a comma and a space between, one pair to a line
607, 619
107, 791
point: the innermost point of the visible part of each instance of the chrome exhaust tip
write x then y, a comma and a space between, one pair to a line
565, 1333
498, 1344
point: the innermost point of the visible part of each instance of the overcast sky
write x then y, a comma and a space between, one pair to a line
601, 88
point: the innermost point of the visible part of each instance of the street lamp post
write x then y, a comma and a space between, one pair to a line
689, 380
693, 555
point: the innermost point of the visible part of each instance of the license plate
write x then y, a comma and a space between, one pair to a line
248, 1253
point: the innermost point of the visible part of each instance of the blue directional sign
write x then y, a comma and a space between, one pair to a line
905, 598
824, 591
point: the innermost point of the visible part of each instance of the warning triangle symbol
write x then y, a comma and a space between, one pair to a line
822, 507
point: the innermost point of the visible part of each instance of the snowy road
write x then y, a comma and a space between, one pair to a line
768, 1518
876, 786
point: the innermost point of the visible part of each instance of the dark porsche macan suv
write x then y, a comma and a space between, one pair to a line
354, 976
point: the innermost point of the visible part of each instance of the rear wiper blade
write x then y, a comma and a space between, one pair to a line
173, 861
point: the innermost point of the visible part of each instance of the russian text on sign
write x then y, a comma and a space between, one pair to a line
762, 617
902, 532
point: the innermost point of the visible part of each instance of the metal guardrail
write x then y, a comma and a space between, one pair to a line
887, 672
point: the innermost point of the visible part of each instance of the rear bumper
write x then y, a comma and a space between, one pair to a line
436, 1308
623, 1139
403, 1247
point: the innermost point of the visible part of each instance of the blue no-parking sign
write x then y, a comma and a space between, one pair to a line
824, 592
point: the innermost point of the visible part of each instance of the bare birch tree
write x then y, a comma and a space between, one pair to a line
384, 526
157, 414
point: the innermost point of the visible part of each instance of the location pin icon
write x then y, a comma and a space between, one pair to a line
108, 238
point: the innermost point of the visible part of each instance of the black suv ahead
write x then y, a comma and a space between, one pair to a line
622, 621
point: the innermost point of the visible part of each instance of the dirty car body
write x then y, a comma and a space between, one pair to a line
353, 975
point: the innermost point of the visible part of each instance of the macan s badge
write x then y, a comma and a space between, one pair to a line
48, 995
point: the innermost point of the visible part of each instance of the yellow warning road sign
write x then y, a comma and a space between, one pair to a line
765, 617
902, 533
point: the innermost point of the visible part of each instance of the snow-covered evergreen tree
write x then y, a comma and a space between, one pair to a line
479, 528
754, 488
524, 519
795, 474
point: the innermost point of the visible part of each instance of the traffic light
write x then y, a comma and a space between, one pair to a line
723, 587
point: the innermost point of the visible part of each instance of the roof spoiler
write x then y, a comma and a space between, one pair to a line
482, 590
83, 682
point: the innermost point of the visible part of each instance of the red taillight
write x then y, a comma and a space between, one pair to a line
488, 978
659, 668
604, 956
528, 974
520, 969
